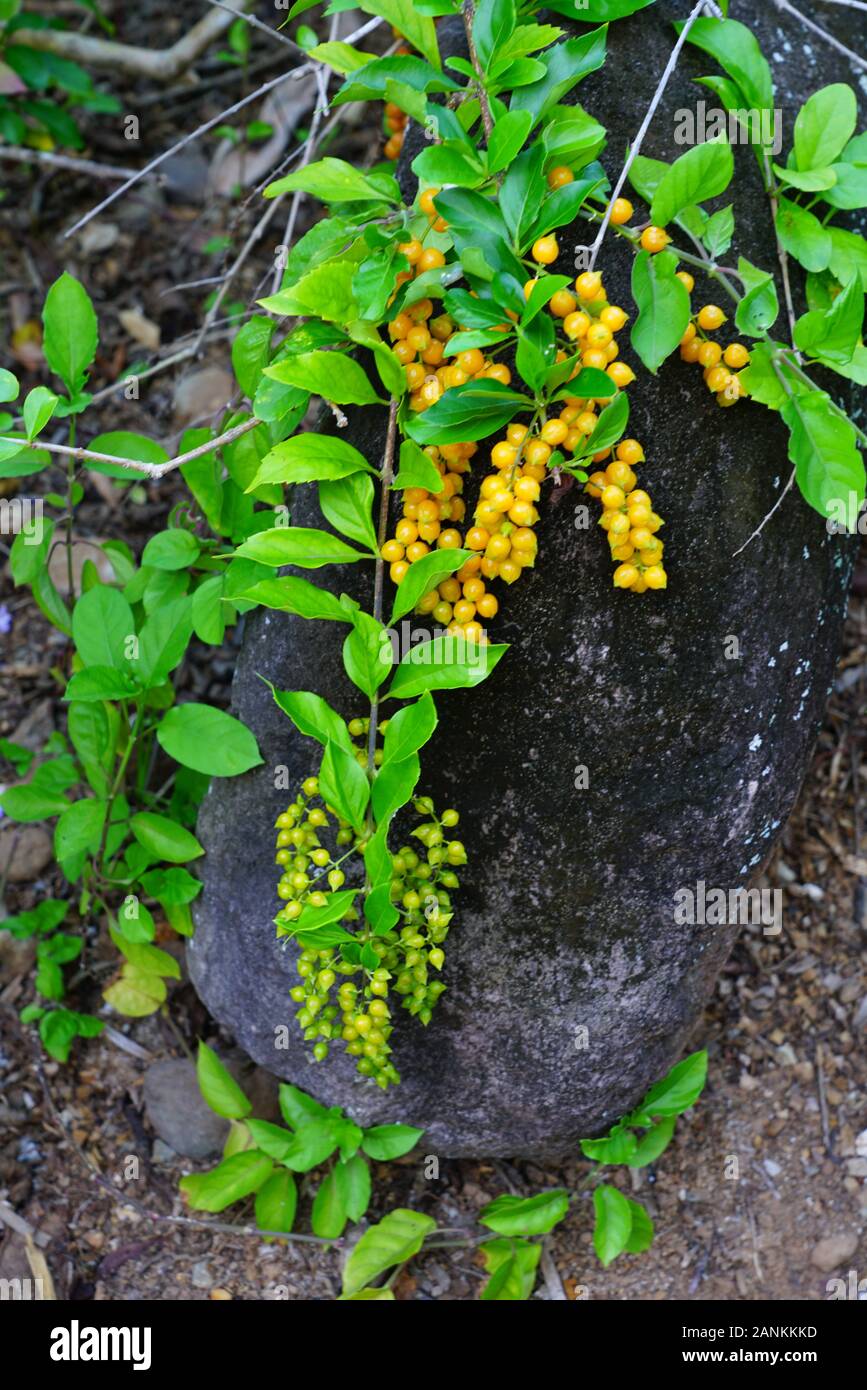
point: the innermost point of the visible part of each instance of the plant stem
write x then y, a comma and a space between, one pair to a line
386, 478
468, 10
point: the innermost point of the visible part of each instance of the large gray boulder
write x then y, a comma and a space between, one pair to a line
571, 986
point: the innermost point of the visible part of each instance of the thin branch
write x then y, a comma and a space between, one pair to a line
302, 71
158, 64
468, 11
762, 524
257, 24
645, 124
150, 470
822, 33
257, 232
65, 161
782, 254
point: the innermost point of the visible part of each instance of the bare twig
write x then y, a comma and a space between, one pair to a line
645, 124
822, 33
302, 71
150, 470
257, 232
257, 24
65, 161
762, 524
158, 64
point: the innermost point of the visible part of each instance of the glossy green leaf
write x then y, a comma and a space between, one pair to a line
234, 1178
422, 576
164, 838
70, 332
392, 1241
444, 663
218, 1087
208, 740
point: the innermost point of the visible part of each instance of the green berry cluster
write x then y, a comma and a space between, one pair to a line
407, 959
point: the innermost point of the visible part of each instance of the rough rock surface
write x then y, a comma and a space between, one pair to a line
694, 757
179, 1115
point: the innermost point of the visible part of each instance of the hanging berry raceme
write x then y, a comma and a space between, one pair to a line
343, 998
630, 521
721, 366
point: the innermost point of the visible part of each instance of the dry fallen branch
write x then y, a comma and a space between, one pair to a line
150, 470
158, 64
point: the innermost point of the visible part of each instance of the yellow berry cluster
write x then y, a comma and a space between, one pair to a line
721, 365
631, 522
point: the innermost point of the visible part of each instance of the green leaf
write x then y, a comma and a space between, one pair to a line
833, 334
234, 1178
164, 838
525, 1216
641, 1234
759, 308
618, 1146
393, 787
208, 740
848, 256
39, 406
353, 1184
367, 653
332, 180
307, 458
679, 1090
512, 1266
100, 683
700, 173
507, 139
313, 919
761, 380
409, 730
291, 594
332, 375
718, 232
813, 181
325, 291
276, 1202
465, 413
610, 427
416, 468
828, 467
663, 307
218, 1087
171, 887
347, 504
417, 28
565, 66
102, 624
344, 785
737, 50
163, 642
653, 1143
9, 387
137, 993
424, 575
329, 1214
598, 11
824, 125
304, 546
385, 1142
251, 349
313, 716
392, 1241
613, 1223
79, 829
171, 550
32, 803
444, 663
803, 236
70, 333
